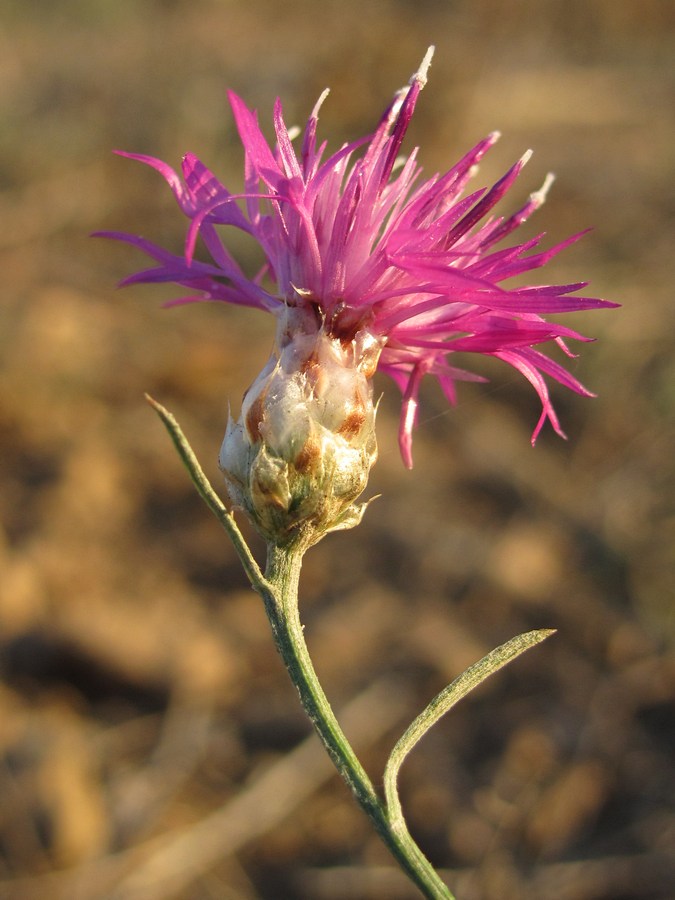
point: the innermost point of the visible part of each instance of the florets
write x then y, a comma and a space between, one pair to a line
361, 240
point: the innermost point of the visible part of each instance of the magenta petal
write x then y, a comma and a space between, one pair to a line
165, 170
370, 246
257, 149
409, 416
519, 361
284, 145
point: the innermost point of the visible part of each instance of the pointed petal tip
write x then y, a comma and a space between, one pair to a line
525, 158
548, 183
319, 103
538, 198
540, 424
421, 74
127, 154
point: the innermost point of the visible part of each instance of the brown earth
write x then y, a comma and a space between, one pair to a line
150, 743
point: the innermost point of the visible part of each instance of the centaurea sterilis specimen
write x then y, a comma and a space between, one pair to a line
368, 267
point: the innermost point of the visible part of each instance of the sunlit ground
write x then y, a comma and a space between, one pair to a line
141, 691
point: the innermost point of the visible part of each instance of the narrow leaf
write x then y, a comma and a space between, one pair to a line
209, 496
444, 701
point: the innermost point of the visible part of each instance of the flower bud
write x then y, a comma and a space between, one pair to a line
300, 453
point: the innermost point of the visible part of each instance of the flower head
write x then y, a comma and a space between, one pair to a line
362, 243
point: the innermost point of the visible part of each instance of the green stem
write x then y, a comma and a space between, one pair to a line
281, 603
279, 591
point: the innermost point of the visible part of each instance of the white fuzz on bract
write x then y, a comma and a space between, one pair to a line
301, 451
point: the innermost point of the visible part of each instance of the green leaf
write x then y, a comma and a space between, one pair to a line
209, 496
444, 701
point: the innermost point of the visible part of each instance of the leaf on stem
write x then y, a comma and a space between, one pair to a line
443, 702
209, 496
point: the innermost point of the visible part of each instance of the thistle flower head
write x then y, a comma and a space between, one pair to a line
361, 243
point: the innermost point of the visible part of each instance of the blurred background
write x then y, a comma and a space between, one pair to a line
151, 745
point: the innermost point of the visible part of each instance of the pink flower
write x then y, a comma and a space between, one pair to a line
361, 239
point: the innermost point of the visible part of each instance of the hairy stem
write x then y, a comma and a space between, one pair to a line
281, 603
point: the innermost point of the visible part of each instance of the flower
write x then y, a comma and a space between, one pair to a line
363, 243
